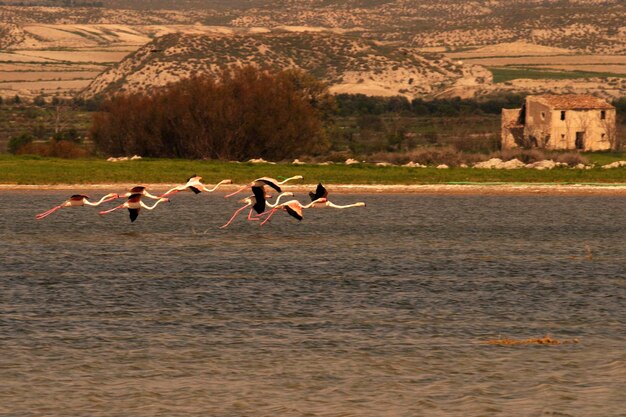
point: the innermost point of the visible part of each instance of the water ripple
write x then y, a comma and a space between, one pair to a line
334, 316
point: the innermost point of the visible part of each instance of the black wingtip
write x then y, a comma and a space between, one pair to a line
133, 214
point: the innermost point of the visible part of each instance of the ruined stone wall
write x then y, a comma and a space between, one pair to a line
537, 127
510, 129
598, 134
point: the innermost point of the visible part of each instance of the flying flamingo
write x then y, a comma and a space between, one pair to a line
139, 190
263, 181
134, 204
319, 199
258, 203
292, 207
77, 200
194, 184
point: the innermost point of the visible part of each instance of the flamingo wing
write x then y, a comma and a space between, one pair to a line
294, 211
134, 198
269, 182
259, 197
194, 189
134, 213
320, 192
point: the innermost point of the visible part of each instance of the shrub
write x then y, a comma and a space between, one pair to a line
247, 114
570, 158
39, 101
487, 142
436, 156
56, 149
17, 142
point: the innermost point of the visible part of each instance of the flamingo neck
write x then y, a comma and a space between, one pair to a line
104, 199
297, 177
210, 190
278, 199
154, 205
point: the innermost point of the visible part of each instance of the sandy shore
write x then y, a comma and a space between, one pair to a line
490, 188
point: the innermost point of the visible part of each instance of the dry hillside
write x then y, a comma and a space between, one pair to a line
347, 64
40, 45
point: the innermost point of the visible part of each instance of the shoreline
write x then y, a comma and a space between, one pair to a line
461, 189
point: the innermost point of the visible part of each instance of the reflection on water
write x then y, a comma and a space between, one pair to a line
378, 311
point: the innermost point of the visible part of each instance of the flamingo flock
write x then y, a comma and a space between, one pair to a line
261, 209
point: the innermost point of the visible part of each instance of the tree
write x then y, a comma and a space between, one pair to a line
246, 113
16, 142
39, 101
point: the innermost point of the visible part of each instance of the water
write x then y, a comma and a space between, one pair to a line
377, 311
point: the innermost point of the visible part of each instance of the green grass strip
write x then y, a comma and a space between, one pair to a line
26, 170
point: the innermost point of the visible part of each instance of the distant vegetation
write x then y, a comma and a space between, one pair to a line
360, 104
56, 3
247, 114
256, 115
501, 75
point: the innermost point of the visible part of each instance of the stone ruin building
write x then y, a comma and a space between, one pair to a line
569, 121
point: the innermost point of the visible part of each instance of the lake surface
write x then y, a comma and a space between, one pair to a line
376, 311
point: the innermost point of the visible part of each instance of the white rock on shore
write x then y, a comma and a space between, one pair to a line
413, 165
497, 163
260, 161
616, 164
123, 158
541, 165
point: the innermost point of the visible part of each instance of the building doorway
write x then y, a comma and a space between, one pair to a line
580, 140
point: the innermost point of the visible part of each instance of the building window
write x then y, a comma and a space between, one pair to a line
543, 115
602, 114
603, 136
563, 115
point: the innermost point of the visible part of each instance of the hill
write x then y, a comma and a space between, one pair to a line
348, 64
591, 26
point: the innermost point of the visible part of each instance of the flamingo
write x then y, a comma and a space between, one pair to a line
292, 207
320, 199
77, 200
134, 204
263, 181
194, 184
258, 203
139, 190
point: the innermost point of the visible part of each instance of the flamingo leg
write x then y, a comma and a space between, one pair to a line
47, 213
234, 215
113, 209
171, 191
271, 213
236, 192
255, 218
